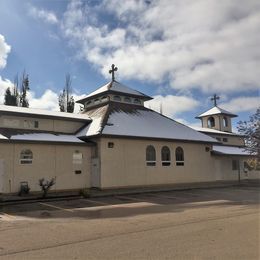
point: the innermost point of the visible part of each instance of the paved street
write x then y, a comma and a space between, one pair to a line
216, 223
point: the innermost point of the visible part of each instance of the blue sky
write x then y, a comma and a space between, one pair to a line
180, 52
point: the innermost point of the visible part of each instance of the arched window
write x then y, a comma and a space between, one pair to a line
211, 122
96, 101
150, 156
77, 157
137, 101
127, 99
179, 155
166, 156
104, 98
26, 156
117, 98
225, 122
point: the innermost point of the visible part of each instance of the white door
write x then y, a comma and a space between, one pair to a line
1, 175
95, 173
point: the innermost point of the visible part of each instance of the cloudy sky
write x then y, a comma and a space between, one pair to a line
180, 52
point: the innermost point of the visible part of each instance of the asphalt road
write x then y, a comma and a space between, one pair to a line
214, 223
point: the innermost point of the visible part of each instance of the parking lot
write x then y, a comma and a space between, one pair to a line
201, 223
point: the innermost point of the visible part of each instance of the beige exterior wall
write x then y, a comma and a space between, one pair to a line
49, 161
224, 169
219, 123
16, 122
231, 140
125, 164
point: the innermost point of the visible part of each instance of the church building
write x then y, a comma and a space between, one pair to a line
116, 142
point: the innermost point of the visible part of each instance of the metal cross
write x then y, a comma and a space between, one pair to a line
114, 68
215, 98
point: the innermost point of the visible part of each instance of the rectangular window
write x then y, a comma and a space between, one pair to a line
234, 165
225, 139
77, 157
36, 124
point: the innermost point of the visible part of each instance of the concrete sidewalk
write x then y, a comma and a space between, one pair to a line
93, 192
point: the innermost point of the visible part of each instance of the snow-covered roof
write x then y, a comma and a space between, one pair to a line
41, 112
2, 137
214, 111
213, 131
47, 137
229, 150
114, 86
123, 120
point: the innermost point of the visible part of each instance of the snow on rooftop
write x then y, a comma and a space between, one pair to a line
229, 150
147, 123
2, 137
46, 137
115, 86
216, 110
95, 127
37, 112
210, 130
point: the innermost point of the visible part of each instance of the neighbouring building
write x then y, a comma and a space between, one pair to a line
116, 142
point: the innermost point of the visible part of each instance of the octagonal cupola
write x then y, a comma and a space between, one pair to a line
217, 118
113, 91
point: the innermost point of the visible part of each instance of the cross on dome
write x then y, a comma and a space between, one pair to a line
114, 68
215, 98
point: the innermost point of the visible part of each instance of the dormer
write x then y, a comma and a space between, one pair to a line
217, 118
113, 92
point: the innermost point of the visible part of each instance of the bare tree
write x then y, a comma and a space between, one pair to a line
66, 100
251, 130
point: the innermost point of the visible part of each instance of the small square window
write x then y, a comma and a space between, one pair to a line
207, 149
110, 145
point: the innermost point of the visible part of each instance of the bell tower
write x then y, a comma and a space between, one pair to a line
217, 118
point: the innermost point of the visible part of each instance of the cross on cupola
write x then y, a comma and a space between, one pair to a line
215, 98
114, 68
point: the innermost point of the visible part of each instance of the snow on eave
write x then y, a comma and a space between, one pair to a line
46, 137
214, 131
230, 150
2, 137
215, 111
114, 87
42, 113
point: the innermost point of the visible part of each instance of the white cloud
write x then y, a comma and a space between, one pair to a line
242, 104
49, 100
46, 16
4, 50
172, 105
208, 44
